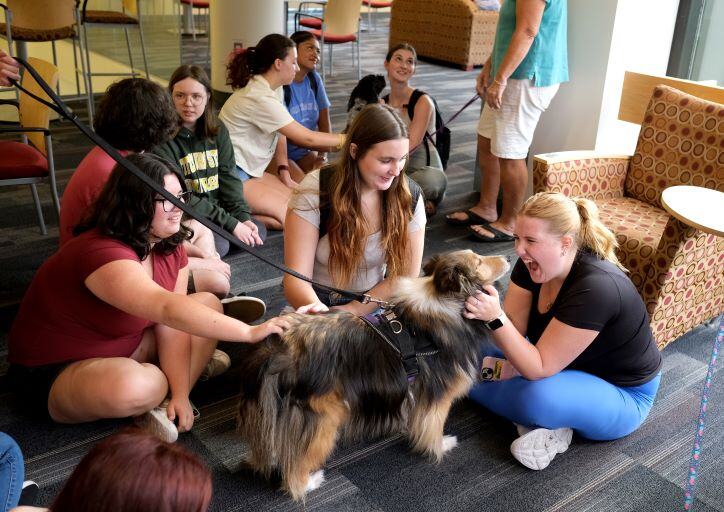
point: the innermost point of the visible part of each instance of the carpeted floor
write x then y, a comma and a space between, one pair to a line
643, 472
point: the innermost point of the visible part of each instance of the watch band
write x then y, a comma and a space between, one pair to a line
496, 323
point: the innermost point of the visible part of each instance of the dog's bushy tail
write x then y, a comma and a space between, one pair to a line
260, 402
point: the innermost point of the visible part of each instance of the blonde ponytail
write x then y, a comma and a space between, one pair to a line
593, 235
575, 216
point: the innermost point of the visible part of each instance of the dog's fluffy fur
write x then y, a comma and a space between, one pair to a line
367, 91
330, 374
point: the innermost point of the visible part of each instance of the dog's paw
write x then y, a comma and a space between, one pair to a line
316, 479
448, 443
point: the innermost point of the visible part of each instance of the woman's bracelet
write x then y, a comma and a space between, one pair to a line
500, 83
282, 167
341, 141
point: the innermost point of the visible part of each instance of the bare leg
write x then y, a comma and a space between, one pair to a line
118, 387
489, 168
206, 279
268, 197
112, 387
514, 177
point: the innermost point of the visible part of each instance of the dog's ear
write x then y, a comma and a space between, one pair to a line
429, 267
451, 279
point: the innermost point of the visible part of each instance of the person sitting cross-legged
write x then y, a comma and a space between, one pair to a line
106, 329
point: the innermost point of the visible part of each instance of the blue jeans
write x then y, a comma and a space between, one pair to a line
594, 408
243, 175
12, 472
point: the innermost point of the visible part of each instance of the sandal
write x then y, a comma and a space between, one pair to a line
498, 236
473, 219
430, 209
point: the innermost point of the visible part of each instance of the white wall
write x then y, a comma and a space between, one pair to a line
245, 21
605, 38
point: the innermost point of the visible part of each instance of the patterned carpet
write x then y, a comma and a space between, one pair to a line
643, 472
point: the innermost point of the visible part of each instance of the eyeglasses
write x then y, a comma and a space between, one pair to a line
196, 98
168, 206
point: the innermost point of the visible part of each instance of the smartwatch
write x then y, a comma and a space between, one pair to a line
496, 323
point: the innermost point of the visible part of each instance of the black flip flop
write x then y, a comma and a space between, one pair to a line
498, 236
473, 220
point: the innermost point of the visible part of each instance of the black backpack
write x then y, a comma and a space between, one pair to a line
442, 138
325, 174
288, 89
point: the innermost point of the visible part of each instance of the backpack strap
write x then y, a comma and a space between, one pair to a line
312, 83
416, 95
325, 175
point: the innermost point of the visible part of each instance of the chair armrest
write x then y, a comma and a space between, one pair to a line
581, 173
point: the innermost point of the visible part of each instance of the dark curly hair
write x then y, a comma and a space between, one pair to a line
256, 60
136, 114
207, 126
125, 208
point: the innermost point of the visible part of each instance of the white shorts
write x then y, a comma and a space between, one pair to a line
511, 128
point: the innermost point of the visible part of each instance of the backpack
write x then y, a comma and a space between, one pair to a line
325, 174
288, 89
442, 139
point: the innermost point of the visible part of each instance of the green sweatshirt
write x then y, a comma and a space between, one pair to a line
210, 172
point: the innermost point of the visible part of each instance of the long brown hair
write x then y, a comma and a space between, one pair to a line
132, 471
207, 126
575, 216
256, 60
347, 229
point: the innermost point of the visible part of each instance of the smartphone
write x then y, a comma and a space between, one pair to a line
496, 368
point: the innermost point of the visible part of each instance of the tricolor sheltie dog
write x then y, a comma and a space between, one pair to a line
331, 375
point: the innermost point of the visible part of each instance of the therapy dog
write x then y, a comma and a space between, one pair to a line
334, 374
367, 91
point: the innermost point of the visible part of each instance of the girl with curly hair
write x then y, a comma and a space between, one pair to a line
106, 329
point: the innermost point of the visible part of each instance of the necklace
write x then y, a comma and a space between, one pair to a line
547, 303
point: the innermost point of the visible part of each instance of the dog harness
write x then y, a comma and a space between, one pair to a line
406, 342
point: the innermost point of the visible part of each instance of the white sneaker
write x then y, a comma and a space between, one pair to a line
244, 308
218, 364
156, 422
537, 448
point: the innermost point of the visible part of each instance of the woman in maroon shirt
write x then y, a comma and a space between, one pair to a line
106, 329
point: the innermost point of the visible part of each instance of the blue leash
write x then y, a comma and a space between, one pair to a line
696, 450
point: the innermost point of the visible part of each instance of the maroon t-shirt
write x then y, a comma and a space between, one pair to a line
61, 320
83, 189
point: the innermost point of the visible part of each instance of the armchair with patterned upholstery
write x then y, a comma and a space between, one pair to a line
678, 270
452, 31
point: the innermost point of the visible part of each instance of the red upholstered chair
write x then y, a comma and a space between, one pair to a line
374, 4
304, 17
677, 269
32, 162
338, 24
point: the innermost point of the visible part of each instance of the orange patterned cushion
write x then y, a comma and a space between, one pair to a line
681, 143
638, 227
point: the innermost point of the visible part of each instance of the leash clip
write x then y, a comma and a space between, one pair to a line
381, 303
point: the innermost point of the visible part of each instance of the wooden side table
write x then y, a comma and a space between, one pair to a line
699, 207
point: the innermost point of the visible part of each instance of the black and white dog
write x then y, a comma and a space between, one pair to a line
367, 91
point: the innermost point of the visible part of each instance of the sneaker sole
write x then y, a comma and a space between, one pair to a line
536, 449
246, 309
157, 425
